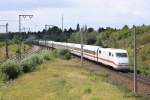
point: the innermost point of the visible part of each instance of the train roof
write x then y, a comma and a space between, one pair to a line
95, 48
115, 50
88, 47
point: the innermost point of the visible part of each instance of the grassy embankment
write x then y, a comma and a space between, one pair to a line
62, 80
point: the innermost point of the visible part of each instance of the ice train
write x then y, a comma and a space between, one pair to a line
116, 58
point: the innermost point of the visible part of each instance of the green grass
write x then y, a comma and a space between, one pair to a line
12, 51
62, 80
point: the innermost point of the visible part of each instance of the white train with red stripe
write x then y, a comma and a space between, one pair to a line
116, 58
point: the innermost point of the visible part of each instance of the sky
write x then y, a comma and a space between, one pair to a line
93, 13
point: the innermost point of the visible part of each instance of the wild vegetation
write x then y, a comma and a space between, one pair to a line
12, 50
63, 80
11, 46
121, 38
62, 53
11, 69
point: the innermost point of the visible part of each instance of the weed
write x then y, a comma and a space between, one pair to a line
87, 89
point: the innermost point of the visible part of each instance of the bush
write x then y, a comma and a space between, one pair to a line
62, 53
145, 38
29, 64
36, 59
46, 55
11, 69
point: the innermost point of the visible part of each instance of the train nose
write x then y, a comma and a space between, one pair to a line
123, 62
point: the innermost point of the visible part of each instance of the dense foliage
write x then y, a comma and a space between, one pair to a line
121, 38
62, 53
11, 69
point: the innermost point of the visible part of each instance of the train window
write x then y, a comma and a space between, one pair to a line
121, 54
109, 53
88, 51
100, 51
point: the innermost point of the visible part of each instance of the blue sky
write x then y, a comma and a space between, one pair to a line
94, 13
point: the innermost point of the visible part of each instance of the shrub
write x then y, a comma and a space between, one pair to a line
144, 70
36, 59
63, 51
67, 56
11, 69
46, 55
30, 64
27, 66
55, 53
64, 54
145, 38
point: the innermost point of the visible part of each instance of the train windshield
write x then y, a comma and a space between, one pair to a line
121, 55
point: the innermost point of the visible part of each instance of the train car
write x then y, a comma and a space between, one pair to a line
116, 58
41, 42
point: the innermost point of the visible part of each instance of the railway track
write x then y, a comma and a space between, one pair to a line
140, 79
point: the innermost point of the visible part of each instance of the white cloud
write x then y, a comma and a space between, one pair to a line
94, 13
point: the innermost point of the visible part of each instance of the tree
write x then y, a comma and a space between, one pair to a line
90, 38
90, 29
125, 27
75, 37
65, 30
101, 29
78, 28
70, 30
44, 31
110, 29
86, 28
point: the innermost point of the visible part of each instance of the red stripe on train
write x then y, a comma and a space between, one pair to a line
100, 58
